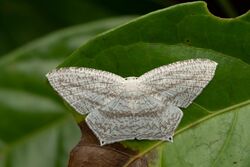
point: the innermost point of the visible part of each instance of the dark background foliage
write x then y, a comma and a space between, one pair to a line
35, 127
24, 20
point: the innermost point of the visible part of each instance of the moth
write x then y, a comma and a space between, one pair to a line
144, 107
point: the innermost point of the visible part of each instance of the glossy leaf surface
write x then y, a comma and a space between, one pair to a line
219, 114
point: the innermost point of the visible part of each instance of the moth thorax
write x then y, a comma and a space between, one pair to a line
131, 85
130, 78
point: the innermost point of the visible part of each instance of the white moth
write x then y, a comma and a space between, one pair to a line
146, 107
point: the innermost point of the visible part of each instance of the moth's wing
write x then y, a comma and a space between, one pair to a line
125, 118
179, 83
111, 122
170, 119
85, 89
155, 120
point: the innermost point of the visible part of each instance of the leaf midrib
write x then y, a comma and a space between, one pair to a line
215, 113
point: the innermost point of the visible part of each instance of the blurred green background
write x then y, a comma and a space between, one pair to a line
24, 20
36, 36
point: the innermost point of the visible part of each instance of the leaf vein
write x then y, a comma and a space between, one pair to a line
227, 140
239, 105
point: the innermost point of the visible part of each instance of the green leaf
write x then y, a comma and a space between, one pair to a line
220, 141
215, 125
27, 20
35, 129
22, 21
190, 24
